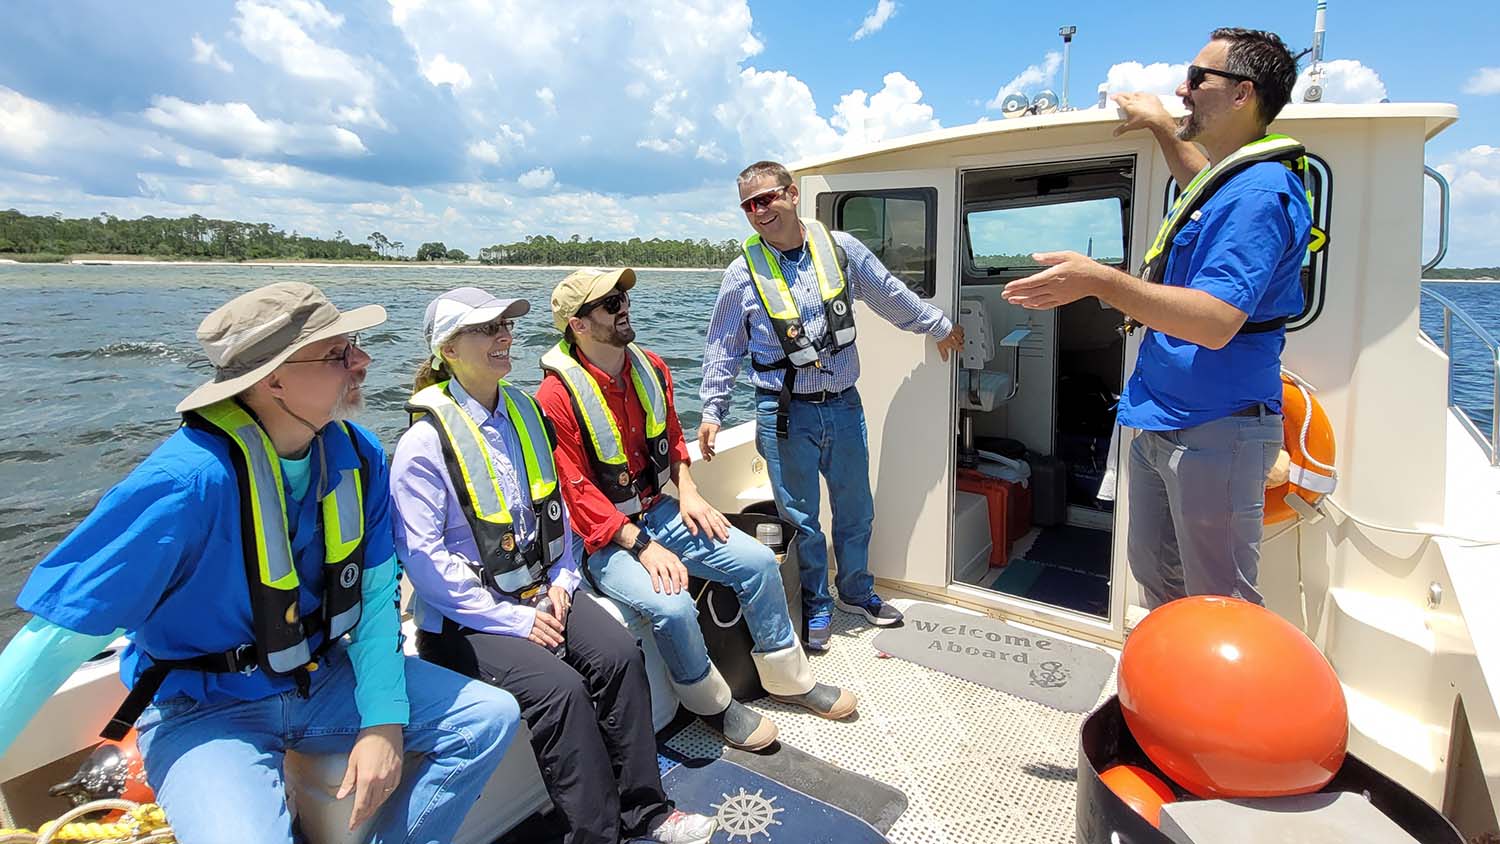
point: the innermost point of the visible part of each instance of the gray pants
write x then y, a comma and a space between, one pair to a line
1197, 498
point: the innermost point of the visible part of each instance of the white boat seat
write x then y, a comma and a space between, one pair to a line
512, 794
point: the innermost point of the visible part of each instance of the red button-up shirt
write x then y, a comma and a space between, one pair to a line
593, 515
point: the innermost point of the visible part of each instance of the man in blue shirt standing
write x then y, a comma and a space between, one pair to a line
250, 560
1221, 279
787, 304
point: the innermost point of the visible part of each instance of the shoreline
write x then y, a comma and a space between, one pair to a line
152, 262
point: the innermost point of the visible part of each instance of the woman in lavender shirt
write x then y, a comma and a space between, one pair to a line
578, 674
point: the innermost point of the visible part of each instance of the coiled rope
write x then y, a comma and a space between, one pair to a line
142, 823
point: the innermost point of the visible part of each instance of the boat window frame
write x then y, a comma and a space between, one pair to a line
829, 209
1315, 271
976, 276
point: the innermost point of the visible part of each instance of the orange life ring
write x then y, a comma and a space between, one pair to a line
1308, 440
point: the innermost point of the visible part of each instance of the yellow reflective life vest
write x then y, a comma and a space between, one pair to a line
776, 296
506, 564
281, 636
605, 447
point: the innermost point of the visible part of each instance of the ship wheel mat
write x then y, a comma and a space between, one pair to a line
755, 809
990, 652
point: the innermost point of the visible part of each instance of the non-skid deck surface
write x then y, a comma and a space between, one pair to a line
977, 766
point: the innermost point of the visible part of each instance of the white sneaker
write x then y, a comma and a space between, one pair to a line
683, 828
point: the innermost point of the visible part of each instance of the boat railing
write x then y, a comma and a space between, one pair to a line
1490, 443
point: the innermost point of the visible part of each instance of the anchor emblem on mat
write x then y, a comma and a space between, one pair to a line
1049, 675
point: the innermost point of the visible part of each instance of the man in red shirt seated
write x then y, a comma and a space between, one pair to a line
618, 444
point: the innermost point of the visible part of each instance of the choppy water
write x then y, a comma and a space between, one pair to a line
95, 358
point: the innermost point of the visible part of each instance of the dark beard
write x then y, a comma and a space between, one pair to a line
615, 336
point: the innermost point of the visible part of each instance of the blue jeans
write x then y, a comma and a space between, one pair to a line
1197, 500
741, 563
830, 439
217, 768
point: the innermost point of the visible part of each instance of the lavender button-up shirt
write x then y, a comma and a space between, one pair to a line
434, 542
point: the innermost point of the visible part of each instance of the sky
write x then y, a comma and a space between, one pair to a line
478, 122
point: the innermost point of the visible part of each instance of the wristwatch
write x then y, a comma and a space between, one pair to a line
642, 540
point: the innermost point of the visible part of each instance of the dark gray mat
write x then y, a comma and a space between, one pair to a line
1039, 668
872, 801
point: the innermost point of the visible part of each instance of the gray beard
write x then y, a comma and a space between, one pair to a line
1190, 127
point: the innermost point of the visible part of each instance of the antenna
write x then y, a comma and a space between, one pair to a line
1314, 91
1067, 33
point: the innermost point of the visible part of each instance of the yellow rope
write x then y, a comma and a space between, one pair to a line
142, 823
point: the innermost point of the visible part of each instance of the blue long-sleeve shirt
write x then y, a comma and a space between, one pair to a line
434, 541
740, 325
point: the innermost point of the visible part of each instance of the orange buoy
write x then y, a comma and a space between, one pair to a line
113, 771
1143, 791
1228, 699
1308, 440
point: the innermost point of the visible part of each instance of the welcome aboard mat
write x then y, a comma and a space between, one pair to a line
1004, 657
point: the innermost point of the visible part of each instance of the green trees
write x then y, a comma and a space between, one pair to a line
432, 251
187, 237
546, 250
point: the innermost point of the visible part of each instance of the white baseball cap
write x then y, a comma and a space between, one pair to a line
460, 308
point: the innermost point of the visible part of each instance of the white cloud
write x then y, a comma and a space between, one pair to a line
548, 99
537, 179
1474, 176
1344, 81
896, 110
25, 124
1485, 81
1156, 78
875, 20
484, 151
443, 71
236, 127
273, 31
206, 53
1030, 80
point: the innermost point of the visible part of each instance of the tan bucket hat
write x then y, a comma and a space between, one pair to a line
585, 286
257, 331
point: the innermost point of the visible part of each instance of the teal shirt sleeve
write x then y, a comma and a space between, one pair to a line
375, 643
375, 650
40, 658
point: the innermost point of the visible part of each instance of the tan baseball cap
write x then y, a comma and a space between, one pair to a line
585, 286
257, 331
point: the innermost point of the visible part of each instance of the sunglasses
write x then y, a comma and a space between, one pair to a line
762, 201
345, 357
1196, 74
611, 304
491, 328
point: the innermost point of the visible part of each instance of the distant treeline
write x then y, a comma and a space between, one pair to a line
187, 237
1463, 272
545, 250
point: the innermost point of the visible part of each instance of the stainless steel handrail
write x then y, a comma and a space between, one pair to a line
1491, 446
1443, 203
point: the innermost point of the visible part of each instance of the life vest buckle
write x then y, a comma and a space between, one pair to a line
242, 660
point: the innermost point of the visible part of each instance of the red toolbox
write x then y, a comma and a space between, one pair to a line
1009, 509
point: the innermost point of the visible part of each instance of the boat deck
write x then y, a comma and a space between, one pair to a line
976, 764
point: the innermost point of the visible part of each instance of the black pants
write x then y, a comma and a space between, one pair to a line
589, 714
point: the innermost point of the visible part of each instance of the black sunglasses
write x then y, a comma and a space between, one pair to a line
344, 358
491, 328
1196, 74
611, 304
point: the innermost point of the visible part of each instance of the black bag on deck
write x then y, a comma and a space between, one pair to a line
724, 629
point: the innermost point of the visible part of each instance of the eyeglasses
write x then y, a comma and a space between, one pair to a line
491, 328
762, 201
345, 357
611, 304
1196, 74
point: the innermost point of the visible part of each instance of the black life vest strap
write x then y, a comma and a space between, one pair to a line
244, 659
784, 398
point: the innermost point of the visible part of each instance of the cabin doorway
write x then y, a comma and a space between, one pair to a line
1033, 511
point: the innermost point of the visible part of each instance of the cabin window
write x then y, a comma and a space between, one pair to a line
1315, 263
1002, 239
899, 226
